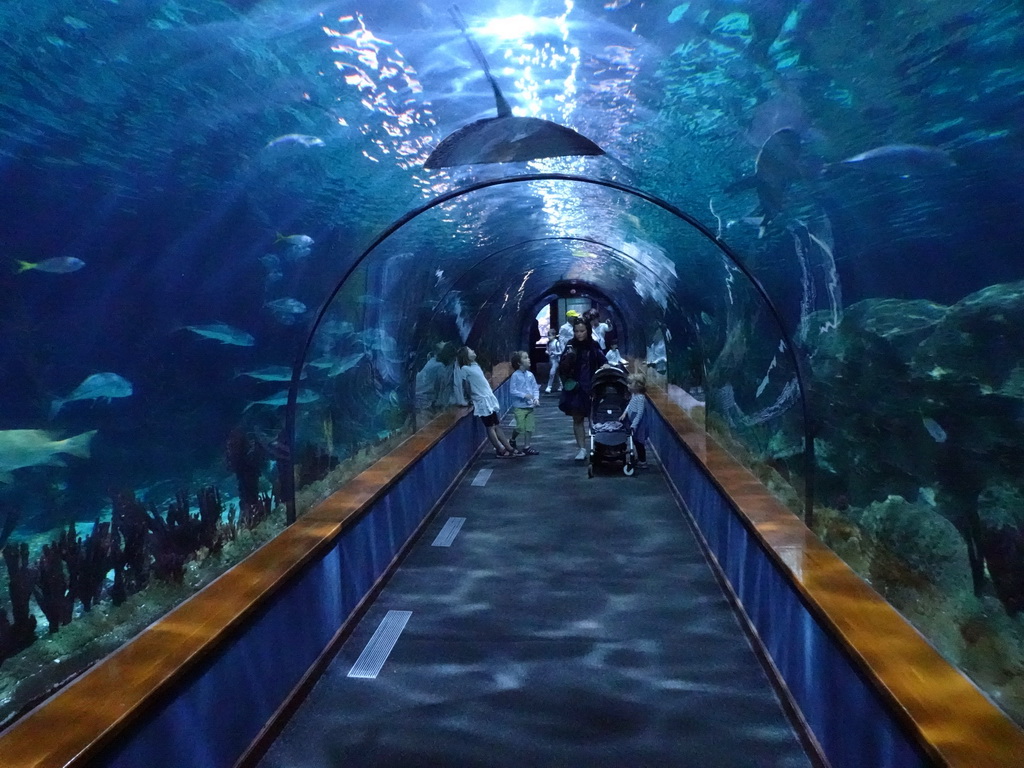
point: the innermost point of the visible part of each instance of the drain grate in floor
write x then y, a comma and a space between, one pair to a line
376, 652
447, 534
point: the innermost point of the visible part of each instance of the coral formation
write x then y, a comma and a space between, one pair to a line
922, 396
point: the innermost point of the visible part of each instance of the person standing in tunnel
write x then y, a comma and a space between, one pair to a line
579, 362
598, 329
485, 404
555, 348
565, 331
525, 397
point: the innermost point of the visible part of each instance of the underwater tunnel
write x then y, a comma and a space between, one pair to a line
249, 514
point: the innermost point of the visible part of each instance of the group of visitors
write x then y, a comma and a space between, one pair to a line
583, 349
577, 350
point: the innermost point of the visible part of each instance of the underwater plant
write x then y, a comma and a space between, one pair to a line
130, 555
52, 591
245, 457
19, 632
315, 462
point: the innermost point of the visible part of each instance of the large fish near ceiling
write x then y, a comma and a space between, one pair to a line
777, 166
21, 448
505, 138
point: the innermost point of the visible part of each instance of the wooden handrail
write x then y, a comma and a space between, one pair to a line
77, 722
952, 720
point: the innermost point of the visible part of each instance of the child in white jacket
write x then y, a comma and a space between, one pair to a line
485, 404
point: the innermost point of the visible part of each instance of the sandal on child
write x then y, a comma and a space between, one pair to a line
531, 452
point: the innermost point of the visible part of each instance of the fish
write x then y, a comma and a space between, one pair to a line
345, 364
271, 373
223, 333
933, 428
295, 139
776, 167
37, 447
300, 241
281, 399
297, 252
286, 306
98, 386
902, 160
505, 138
336, 327
59, 265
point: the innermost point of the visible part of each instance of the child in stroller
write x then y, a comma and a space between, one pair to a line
611, 440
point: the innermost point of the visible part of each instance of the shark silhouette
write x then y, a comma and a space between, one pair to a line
505, 138
777, 166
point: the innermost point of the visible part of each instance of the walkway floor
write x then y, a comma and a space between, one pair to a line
571, 622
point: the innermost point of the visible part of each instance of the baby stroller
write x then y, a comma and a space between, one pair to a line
611, 440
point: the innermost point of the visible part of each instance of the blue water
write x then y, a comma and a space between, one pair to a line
169, 146
134, 136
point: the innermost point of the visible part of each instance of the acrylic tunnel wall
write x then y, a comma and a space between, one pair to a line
475, 269
221, 166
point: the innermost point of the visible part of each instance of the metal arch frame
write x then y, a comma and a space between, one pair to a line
293, 388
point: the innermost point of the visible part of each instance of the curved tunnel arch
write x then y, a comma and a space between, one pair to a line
288, 486
587, 287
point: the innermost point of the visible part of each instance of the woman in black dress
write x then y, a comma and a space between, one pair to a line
582, 357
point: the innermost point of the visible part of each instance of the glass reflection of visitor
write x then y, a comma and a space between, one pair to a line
598, 328
434, 383
555, 348
656, 355
613, 356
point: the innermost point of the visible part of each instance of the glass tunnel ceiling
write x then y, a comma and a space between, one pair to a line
498, 252
318, 116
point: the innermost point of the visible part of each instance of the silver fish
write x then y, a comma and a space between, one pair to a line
345, 364
99, 386
295, 139
300, 241
223, 333
933, 428
286, 306
37, 447
271, 373
281, 399
901, 160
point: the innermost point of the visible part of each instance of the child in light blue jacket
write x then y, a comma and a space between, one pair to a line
525, 396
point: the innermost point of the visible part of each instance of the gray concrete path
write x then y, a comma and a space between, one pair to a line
571, 622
